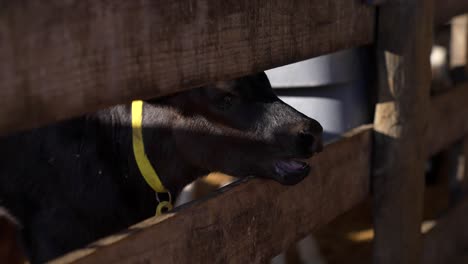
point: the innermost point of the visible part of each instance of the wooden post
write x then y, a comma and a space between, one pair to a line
403, 49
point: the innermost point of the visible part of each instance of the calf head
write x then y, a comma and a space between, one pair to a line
239, 127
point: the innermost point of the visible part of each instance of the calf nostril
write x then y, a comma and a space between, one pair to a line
310, 142
309, 138
306, 138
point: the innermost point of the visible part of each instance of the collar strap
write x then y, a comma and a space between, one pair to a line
144, 165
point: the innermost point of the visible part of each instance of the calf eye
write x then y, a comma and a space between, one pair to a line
226, 102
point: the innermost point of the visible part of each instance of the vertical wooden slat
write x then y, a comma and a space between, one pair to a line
403, 49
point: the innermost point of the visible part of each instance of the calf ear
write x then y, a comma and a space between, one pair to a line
261, 80
226, 86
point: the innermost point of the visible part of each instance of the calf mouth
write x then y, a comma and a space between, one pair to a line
291, 171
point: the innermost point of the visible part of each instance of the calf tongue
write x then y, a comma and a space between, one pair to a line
290, 166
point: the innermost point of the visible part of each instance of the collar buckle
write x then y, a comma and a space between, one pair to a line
163, 196
164, 205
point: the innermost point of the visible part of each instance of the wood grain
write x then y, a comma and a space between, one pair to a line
404, 42
250, 222
59, 59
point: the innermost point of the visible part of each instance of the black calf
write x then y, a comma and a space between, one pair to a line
73, 182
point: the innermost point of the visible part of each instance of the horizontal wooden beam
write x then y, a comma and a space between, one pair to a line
250, 222
59, 59
448, 118
448, 238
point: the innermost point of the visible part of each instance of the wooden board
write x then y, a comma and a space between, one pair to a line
401, 121
251, 222
63, 58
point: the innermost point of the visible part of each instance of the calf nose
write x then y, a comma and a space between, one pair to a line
310, 138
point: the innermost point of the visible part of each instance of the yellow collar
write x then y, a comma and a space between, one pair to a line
144, 165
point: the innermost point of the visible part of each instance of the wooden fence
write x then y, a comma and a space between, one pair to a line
64, 58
